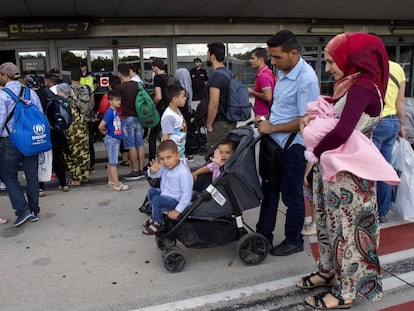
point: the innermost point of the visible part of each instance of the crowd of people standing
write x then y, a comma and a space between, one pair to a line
346, 209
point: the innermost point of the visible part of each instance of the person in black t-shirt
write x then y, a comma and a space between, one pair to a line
160, 101
199, 80
218, 85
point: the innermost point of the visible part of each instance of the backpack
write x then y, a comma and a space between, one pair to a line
168, 81
84, 101
145, 108
31, 131
58, 109
239, 107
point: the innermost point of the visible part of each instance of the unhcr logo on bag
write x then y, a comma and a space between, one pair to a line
40, 133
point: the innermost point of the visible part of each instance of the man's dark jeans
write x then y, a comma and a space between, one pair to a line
288, 182
10, 159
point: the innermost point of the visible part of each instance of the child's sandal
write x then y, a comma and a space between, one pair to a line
121, 187
153, 229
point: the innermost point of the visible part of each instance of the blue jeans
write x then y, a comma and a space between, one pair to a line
10, 159
384, 137
112, 147
160, 204
289, 183
132, 133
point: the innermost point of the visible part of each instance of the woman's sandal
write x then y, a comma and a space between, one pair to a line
152, 229
74, 183
124, 163
307, 283
64, 188
319, 302
3, 221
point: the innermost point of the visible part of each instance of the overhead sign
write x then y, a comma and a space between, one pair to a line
48, 29
33, 64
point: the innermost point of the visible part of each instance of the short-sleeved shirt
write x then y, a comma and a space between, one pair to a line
159, 81
174, 125
219, 79
198, 79
392, 89
129, 91
264, 80
293, 92
113, 123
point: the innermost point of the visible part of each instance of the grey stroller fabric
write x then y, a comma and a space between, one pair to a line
238, 182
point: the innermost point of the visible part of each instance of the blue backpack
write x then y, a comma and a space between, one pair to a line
239, 107
31, 131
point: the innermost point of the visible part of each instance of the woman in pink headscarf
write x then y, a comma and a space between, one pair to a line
346, 208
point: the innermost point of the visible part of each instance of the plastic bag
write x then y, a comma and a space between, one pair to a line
403, 162
45, 166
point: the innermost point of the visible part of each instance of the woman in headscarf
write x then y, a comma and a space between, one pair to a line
183, 76
346, 209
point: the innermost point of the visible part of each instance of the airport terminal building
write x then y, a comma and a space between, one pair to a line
40, 35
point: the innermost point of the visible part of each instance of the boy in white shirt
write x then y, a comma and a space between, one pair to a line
173, 125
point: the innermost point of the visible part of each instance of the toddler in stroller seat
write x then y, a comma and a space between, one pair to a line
174, 194
215, 217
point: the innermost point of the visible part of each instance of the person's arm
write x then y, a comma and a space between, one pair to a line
102, 127
400, 107
264, 94
265, 127
200, 171
157, 95
357, 101
167, 126
213, 105
308, 169
186, 184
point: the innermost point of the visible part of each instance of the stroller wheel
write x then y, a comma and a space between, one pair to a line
252, 248
165, 243
174, 260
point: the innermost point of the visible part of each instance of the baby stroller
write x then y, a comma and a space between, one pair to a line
215, 217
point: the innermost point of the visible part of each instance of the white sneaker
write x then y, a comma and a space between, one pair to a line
2, 186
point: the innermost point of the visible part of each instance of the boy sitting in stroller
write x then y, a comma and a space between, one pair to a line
174, 194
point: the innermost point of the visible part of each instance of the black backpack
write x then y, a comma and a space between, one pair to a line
168, 81
59, 112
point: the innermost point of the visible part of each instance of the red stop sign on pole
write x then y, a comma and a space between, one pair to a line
104, 82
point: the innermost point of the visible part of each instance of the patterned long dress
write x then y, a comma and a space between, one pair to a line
78, 140
348, 229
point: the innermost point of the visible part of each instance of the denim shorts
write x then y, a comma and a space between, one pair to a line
112, 147
132, 133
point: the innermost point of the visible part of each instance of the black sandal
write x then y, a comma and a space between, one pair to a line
319, 302
148, 223
124, 163
308, 284
153, 229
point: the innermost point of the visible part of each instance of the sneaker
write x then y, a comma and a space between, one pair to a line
22, 218
2, 186
134, 175
383, 220
34, 217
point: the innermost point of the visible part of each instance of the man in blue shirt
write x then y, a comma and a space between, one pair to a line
297, 86
10, 157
